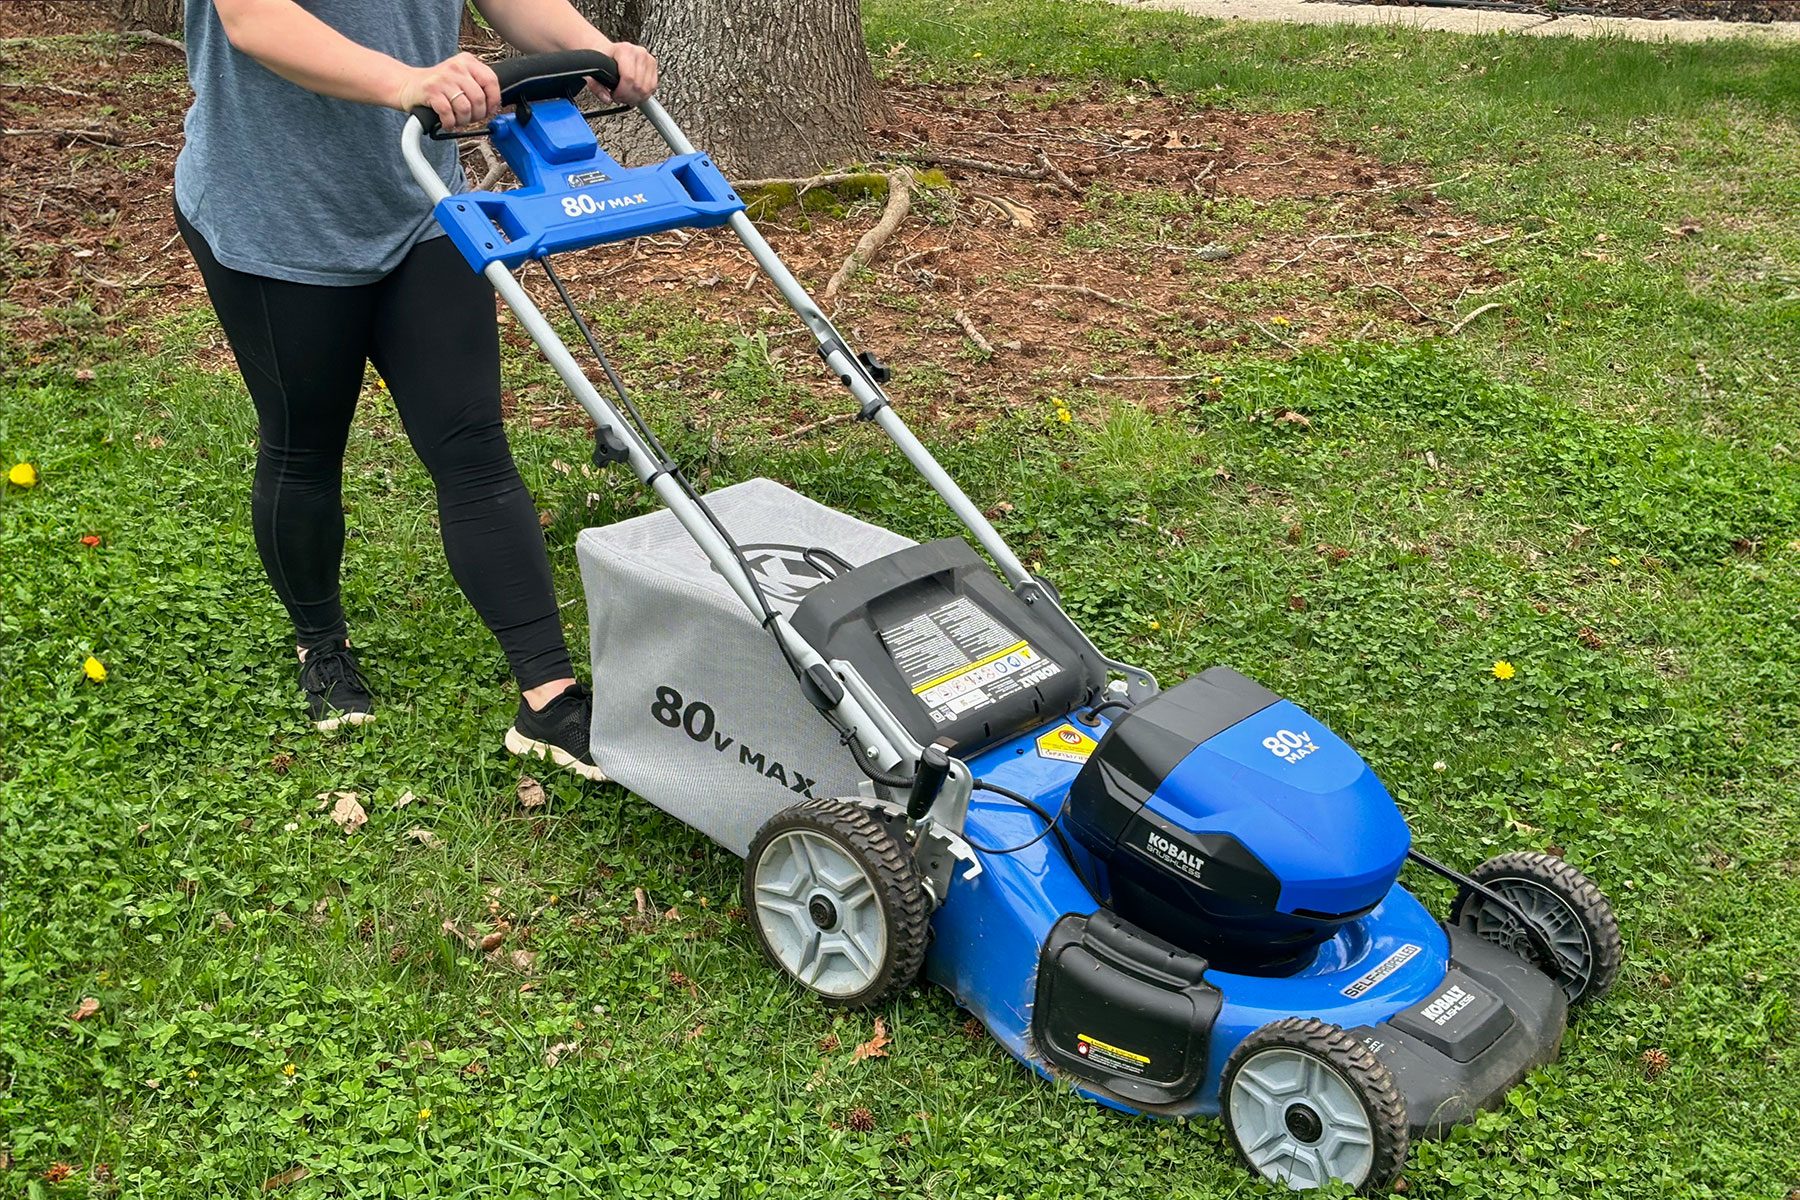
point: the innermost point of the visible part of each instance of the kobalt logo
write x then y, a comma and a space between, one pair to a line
1289, 746
1453, 1001
697, 720
1181, 856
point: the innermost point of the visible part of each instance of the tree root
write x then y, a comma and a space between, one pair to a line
899, 203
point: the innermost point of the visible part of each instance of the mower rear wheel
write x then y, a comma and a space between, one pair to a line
836, 902
1565, 908
1305, 1103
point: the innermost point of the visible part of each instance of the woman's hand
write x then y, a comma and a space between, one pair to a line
462, 90
637, 74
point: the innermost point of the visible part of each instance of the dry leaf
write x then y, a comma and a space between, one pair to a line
348, 814
223, 920
554, 1054
674, 914
875, 1047
405, 799
1288, 416
531, 792
643, 901
467, 939
696, 1031
285, 1178
522, 961
89, 1007
1173, 141
426, 838
492, 941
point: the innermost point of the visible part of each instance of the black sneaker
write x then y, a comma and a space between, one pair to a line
559, 732
336, 692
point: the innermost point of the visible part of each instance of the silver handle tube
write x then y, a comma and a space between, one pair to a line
878, 749
867, 392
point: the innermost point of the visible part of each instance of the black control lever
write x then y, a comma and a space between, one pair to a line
609, 448
928, 781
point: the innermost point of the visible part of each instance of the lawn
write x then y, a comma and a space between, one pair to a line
1594, 482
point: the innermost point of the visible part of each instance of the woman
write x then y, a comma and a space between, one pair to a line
320, 254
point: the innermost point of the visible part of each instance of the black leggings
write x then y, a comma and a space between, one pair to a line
429, 328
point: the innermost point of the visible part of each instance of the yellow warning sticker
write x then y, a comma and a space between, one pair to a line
1118, 1058
1065, 743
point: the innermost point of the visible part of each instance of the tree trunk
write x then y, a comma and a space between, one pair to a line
767, 87
158, 16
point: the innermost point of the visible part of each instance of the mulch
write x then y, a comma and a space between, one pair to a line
1276, 237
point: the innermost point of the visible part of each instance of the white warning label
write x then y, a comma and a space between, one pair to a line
956, 659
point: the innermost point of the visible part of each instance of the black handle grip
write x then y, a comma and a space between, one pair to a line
934, 768
559, 75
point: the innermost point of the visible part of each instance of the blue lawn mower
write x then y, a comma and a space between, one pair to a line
1178, 902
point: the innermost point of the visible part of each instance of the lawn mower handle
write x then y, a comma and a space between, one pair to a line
559, 75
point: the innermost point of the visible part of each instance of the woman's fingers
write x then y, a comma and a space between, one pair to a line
488, 82
637, 73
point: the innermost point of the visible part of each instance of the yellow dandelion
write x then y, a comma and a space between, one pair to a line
1155, 624
1064, 415
94, 669
1279, 321
193, 1073
22, 475
1615, 560
288, 1070
977, 54
424, 1115
1503, 669
1216, 380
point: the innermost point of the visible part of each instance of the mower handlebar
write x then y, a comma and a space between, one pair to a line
559, 75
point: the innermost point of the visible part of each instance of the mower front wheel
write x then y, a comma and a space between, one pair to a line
836, 902
1565, 908
1305, 1103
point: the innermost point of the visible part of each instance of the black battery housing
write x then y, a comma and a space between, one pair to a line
947, 603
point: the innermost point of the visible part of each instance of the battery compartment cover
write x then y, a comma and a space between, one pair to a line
950, 649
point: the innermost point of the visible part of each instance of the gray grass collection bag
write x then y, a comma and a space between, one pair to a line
694, 709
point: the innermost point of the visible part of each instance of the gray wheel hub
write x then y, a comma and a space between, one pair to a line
820, 914
1299, 1121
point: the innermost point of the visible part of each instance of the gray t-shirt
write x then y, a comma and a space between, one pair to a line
293, 185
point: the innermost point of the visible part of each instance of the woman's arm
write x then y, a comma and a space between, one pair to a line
536, 26
302, 49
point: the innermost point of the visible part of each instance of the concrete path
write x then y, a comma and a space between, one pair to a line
1472, 20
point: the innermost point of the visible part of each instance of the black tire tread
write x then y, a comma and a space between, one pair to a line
1357, 1063
1589, 903
902, 894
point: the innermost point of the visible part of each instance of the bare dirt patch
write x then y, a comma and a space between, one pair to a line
1189, 233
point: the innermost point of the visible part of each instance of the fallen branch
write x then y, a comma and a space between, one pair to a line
1275, 337
967, 326
806, 183
899, 203
1075, 289
1464, 323
802, 430
1044, 171
104, 137
158, 39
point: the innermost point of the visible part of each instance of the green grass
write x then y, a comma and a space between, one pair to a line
1596, 484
